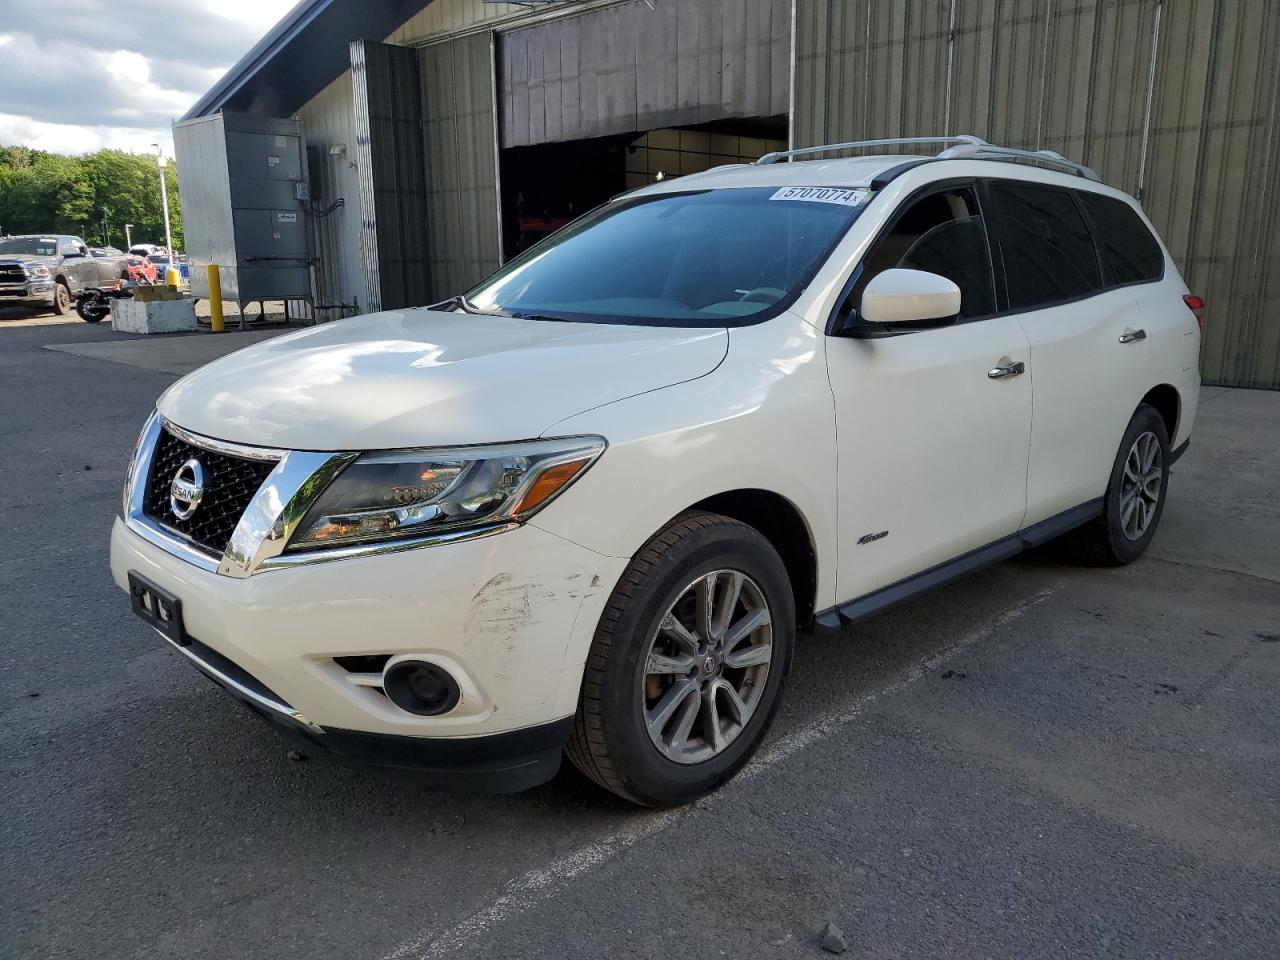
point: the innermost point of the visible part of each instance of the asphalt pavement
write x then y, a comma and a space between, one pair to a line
1038, 761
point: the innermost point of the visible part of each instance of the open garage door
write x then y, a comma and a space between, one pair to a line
426, 154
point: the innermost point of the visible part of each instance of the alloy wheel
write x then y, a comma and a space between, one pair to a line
1141, 486
705, 668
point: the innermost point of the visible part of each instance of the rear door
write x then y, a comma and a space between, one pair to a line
932, 448
1089, 365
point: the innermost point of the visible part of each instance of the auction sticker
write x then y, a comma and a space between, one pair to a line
841, 196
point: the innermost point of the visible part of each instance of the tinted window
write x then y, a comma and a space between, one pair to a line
711, 258
1048, 253
39, 246
942, 233
1129, 251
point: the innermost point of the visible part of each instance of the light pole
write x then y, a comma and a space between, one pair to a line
164, 199
128, 237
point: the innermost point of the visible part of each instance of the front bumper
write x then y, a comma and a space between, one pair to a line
510, 616
28, 294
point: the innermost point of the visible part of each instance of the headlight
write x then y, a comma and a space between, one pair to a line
38, 272
413, 493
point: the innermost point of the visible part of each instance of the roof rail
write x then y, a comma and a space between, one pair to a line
892, 142
988, 151
962, 147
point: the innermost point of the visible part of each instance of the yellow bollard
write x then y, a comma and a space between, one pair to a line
173, 278
215, 300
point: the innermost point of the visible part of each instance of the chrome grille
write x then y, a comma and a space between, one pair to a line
230, 483
12, 274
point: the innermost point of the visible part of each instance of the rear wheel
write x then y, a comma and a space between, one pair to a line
688, 663
1135, 496
92, 308
61, 298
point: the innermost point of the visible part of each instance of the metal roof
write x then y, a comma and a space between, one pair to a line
301, 55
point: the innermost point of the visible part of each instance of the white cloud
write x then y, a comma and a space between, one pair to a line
101, 81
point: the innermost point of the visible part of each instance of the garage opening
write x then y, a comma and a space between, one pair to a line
548, 185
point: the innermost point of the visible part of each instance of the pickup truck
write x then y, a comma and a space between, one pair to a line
50, 271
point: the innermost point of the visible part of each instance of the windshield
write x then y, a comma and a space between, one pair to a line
40, 246
712, 258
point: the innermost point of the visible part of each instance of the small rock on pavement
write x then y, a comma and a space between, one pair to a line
833, 940
296, 756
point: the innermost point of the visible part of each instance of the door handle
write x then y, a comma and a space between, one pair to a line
1129, 336
1007, 368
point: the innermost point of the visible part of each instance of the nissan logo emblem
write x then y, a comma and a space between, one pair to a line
187, 490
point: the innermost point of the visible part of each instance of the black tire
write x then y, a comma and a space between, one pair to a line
92, 309
1104, 542
62, 301
610, 742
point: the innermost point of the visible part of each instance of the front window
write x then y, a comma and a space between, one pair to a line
36, 246
709, 258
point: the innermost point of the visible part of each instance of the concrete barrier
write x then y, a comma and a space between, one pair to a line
159, 316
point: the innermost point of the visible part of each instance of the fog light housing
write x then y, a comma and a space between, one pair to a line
421, 688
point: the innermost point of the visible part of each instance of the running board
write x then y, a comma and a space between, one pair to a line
1033, 536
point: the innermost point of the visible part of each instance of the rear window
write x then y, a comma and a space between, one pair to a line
1049, 254
1130, 252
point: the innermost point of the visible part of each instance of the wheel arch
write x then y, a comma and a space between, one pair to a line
780, 522
1168, 403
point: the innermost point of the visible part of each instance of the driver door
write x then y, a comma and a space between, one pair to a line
81, 271
932, 448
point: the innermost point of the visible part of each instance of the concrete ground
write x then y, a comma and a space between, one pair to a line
1038, 761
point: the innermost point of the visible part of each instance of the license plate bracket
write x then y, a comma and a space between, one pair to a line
158, 607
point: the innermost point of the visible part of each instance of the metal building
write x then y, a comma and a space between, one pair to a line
454, 132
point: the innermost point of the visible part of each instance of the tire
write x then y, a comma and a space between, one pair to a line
611, 742
92, 309
62, 302
1116, 537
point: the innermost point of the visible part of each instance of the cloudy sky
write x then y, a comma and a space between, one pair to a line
76, 75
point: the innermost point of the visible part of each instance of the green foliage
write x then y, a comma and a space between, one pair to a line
93, 195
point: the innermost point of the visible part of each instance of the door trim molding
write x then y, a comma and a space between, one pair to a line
1005, 548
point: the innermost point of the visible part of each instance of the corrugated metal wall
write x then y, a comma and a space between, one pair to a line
329, 120
1177, 101
395, 232
629, 68
460, 132
443, 16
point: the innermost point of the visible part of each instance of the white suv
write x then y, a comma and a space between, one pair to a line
588, 507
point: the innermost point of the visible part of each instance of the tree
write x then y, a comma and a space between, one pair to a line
94, 195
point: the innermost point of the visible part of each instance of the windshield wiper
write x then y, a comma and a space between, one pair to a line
461, 304
540, 316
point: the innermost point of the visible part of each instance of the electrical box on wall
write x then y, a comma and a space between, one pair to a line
246, 205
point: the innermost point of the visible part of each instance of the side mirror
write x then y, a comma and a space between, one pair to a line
909, 296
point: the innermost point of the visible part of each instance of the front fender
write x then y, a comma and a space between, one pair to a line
765, 419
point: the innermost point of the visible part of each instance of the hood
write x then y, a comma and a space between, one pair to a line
27, 259
417, 378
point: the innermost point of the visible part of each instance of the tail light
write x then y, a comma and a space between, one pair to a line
1197, 307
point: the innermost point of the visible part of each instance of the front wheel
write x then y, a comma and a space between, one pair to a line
61, 299
1135, 496
92, 308
688, 663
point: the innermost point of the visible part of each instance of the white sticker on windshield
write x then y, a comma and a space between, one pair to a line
838, 195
